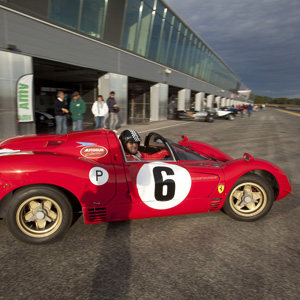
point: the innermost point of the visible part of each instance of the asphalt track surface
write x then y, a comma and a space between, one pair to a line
201, 256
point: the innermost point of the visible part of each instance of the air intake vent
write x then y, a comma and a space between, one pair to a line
215, 204
97, 215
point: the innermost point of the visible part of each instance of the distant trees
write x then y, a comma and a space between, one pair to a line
268, 100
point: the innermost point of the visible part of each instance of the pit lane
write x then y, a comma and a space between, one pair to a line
202, 256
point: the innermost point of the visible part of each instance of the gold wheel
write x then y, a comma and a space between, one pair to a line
39, 216
248, 199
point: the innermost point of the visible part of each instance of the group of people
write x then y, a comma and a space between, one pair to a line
101, 110
245, 108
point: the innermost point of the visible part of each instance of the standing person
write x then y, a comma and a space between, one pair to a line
99, 110
113, 111
249, 110
171, 107
77, 109
60, 111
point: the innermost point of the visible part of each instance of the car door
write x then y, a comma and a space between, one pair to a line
168, 187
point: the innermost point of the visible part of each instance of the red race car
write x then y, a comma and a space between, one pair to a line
45, 179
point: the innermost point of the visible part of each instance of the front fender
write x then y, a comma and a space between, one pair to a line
206, 149
237, 168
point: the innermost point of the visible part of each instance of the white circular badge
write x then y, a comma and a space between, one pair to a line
98, 176
163, 185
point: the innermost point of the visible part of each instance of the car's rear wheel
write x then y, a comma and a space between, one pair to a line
250, 198
39, 215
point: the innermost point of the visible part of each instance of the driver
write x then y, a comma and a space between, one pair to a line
130, 140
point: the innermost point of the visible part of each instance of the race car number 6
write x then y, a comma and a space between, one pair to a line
162, 185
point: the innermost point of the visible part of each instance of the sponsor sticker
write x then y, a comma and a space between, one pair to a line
93, 151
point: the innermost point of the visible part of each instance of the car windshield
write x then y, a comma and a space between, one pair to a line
185, 154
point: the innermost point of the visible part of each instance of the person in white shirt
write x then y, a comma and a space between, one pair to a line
99, 110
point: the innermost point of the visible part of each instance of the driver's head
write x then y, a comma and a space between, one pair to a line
130, 140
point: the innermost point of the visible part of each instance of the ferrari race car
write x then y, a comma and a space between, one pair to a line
46, 179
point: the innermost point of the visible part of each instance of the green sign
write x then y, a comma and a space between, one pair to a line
24, 93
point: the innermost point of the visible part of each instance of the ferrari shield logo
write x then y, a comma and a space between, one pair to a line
221, 188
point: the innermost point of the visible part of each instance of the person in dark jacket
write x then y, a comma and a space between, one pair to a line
249, 110
61, 111
77, 110
113, 111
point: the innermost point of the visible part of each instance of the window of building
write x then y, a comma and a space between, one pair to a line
93, 17
144, 31
131, 24
172, 47
155, 36
65, 12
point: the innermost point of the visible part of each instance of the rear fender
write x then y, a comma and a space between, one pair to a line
71, 174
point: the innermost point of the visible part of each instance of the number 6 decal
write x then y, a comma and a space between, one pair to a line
163, 185
164, 190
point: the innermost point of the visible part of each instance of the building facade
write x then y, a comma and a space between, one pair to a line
141, 49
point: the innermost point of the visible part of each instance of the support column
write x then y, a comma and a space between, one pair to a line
210, 101
223, 102
119, 84
184, 99
199, 101
13, 68
159, 102
218, 101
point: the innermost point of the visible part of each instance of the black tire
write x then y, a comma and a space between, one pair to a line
39, 215
210, 119
231, 117
250, 199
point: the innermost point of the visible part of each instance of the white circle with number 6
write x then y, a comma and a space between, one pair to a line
163, 185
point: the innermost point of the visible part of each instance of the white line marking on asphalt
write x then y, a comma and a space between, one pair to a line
164, 127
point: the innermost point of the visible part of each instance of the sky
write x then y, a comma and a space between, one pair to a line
258, 39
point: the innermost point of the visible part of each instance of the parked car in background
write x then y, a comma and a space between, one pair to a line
183, 115
206, 116
44, 119
233, 109
214, 113
222, 114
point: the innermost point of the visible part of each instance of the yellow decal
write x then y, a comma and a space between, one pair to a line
221, 188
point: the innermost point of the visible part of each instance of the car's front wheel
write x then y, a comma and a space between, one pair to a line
39, 215
231, 117
250, 198
209, 119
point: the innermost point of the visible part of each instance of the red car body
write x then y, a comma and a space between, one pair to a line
90, 169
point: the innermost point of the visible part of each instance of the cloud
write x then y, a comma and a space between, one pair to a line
258, 39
